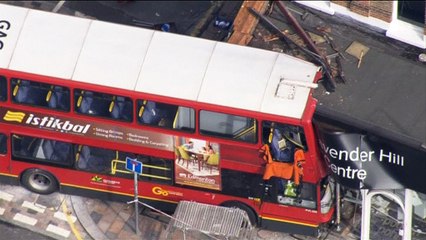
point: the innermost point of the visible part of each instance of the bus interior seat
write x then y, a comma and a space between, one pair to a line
91, 105
56, 151
83, 157
281, 153
151, 114
22, 93
58, 99
86, 102
122, 109
88, 160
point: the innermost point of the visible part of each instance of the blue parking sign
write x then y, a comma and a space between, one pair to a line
132, 164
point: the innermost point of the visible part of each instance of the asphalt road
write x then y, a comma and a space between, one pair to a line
9, 231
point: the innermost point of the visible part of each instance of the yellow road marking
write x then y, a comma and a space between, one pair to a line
69, 220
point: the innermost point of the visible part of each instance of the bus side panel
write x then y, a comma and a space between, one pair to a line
5, 174
109, 196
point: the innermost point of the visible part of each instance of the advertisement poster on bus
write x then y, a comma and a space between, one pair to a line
197, 163
99, 131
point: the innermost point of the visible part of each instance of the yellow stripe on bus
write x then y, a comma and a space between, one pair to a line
288, 221
117, 193
9, 175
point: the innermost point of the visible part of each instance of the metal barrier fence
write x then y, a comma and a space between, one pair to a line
215, 221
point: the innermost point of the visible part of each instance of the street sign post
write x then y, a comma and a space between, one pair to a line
135, 166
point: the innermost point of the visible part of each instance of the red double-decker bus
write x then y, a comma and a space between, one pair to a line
211, 122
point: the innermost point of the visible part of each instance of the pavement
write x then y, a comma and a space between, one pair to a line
388, 90
60, 216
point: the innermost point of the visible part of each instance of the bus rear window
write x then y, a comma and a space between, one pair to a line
3, 89
166, 115
103, 105
228, 126
40, 94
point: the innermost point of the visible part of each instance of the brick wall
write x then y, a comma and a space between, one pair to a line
341, 3
377, 9
381, 10
371, 8
360, 7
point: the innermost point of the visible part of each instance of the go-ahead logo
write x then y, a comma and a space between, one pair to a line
14, 116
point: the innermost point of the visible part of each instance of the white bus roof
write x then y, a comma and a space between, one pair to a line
155, 62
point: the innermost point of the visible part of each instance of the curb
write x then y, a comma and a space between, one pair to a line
84, 218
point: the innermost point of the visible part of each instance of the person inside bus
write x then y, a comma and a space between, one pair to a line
287, 175
281, 149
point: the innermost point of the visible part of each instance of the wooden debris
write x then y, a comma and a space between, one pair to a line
361, 55
245, 23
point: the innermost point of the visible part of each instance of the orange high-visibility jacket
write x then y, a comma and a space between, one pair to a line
283, 170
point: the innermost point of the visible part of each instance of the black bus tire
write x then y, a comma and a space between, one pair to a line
250, 212
39, 181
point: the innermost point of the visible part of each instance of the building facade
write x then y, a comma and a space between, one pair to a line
402, 20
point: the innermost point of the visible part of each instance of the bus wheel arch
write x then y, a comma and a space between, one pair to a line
39, 181
251, 213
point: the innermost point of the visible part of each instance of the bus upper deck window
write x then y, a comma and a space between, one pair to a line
40, 94
166, 115
3, 89
228, 126
103, 105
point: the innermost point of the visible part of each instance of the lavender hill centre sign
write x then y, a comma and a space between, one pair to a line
364, 161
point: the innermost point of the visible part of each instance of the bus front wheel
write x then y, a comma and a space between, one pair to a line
250, 212
39, 181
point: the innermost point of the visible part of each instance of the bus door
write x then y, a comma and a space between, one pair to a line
4, 152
